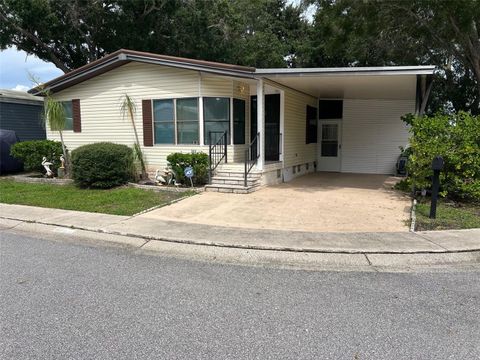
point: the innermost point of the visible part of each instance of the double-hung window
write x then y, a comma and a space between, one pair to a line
67, 108
216, 116
164, 121
176, 121
187, 121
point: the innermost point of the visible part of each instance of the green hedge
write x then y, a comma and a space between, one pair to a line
199, 163
32, 152
457, 139
102, 165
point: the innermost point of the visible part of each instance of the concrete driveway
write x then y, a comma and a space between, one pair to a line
326, 202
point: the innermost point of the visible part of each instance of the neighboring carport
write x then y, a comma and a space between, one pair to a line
321, 202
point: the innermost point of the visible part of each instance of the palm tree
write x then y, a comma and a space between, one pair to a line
54, 113
129, 108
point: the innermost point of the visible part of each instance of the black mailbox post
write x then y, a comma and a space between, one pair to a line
437, 165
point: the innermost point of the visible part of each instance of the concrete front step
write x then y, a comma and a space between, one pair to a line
233, 189
234, 168
237, 174
230, 180
232, 165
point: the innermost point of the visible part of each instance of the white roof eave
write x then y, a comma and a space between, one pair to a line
347, 71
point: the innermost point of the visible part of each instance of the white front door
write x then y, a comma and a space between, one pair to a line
329, 146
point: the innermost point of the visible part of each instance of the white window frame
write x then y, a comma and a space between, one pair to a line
230, 112
175, 125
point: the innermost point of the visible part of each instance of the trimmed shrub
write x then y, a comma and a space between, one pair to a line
457, 139
32, 152
102, 165
199, 163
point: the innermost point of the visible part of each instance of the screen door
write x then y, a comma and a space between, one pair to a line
329, 148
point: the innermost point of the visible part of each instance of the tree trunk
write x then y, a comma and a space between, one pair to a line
142, 164
132, 118
476, 70
65, 155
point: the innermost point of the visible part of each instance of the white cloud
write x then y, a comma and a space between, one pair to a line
15, 67
20, 87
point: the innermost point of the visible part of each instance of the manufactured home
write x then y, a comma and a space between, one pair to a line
259, 126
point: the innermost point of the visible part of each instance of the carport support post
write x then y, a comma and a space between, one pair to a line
261, 123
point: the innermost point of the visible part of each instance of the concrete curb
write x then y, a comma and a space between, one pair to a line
252, 257
247, 246
282, 248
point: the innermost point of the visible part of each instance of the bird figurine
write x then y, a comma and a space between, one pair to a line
46, 164
61, 169
159, 178
173, 179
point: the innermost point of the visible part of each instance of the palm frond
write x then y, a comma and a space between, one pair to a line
55, 114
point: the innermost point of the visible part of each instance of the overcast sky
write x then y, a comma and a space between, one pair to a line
15, 66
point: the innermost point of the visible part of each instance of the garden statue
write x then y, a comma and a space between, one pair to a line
173, 179
61, 169
159, 178
47, 165
169, 177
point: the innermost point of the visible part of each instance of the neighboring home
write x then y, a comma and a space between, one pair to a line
282, 122
22, 113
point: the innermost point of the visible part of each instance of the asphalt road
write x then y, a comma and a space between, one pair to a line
72, 301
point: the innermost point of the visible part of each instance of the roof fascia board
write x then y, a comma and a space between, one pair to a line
80, 74
344, 72
10, 100
194, 67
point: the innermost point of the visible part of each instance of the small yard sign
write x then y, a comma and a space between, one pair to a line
189, 173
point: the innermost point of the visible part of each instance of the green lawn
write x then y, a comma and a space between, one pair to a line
449, 216
118, 201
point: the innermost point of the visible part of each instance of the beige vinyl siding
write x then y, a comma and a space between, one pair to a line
295, 150
372, 133
216, 86
101, 97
